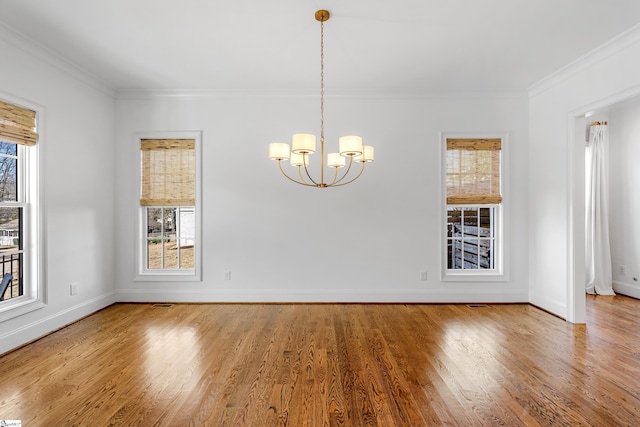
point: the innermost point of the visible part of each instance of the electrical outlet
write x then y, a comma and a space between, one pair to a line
227, 275
622, 269
73, 288
423, 275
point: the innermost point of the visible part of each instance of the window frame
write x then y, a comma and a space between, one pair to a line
159, 275
33, 239
501, 216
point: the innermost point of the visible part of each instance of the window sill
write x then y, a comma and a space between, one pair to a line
18, 307
473, 276
169, 276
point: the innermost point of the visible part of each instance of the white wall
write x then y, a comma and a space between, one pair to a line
76, 155
602, 78
624, 143
367, 241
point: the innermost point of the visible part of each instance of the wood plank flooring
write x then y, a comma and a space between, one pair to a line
330, 365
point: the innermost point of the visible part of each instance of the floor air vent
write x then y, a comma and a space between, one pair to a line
162, 305
478, 305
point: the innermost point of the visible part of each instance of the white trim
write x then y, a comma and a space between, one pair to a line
588, 60
141, 94
551, 305
193, 275
44, 326
576, 299
628, 289
465, 295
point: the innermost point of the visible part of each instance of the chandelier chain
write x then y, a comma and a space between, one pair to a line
322, 82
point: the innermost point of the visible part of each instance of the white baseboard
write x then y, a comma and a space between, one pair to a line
628, 289
43, 326
346, 296
547, 304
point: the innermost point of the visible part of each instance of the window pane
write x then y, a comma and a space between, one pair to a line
10, 219
186, 236
12, 263
8, 148
154, 223
186, 257
8, 177
169, 221
154, 254
171, 254
11, 258
155, 246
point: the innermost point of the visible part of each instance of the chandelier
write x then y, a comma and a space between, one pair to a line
304, 144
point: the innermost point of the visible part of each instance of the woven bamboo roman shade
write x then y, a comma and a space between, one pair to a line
17, 124
168, 172
473, 171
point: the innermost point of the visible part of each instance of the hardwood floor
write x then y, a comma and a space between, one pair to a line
330, 364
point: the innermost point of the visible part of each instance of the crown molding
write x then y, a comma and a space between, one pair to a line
588, 60
186, 94
41, 52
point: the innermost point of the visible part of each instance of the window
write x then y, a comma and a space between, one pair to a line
169, 209
473, 190
19, 251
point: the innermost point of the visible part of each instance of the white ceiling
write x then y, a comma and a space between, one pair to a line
385, 46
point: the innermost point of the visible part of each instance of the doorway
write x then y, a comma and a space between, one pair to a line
578, 121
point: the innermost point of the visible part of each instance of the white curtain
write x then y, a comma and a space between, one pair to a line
599, 276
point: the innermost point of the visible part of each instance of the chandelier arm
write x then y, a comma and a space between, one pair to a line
292, 179
302, 176
346, 172
335, 176
315, 184
350, 181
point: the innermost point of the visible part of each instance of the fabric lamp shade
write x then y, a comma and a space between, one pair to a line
350, 145
303, 143
279, 151
335, 160
299, 159
366, 156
